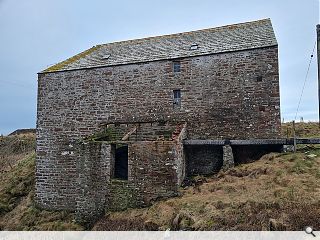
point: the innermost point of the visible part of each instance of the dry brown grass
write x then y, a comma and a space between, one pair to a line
17, 208
281, 188
13, 149
284, 187
310, 129
25, 216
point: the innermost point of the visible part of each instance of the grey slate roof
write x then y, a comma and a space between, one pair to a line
228, 38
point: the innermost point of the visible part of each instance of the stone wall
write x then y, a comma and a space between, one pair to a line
203, 159
56, 173
141, 131
153, 174
231, 95
92, 169
123, 194
153, 169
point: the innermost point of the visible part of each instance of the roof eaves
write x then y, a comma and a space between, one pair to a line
155, 60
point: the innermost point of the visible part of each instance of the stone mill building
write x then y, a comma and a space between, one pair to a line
125, 123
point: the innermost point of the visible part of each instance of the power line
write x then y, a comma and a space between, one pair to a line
305, 80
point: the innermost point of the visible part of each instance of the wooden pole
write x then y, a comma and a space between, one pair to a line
294, 136
318, 57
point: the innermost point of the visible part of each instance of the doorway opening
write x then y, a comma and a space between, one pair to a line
121, 161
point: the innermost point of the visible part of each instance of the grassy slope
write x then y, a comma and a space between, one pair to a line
279, 189
13, 149
310, 129
283, 187
17, 209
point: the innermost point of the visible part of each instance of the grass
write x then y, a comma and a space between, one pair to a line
18, 183
307, 130
13, 149
283, 187
17, 208
280, 191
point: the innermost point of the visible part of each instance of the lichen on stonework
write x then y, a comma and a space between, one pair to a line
109, 134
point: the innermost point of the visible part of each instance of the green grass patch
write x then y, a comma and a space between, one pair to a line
302, 165
19, 182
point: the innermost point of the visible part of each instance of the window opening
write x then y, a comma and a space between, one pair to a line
176, 67
176, 98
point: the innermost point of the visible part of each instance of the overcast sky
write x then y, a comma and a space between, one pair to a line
38, 33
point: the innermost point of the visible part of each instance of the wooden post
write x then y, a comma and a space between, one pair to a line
318, 57
294, 137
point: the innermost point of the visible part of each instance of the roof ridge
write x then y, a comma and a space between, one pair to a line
232, 37
187, 32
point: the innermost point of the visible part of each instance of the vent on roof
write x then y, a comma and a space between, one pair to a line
105, 57
194, 46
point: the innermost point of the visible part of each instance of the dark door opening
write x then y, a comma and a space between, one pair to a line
121, 162
250, 153
203, 160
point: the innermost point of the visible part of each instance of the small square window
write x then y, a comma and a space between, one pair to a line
177, 93
176, 66
262, 108
259, 79
176, 98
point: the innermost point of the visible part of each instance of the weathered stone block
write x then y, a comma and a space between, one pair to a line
228, 160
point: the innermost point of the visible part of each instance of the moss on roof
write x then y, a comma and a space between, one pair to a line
59, 66
236, 37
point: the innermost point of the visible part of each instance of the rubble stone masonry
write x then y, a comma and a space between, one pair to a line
232, 95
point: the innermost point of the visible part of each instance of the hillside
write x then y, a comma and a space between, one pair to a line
280, 191
310, 130
17, 209
282, 187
